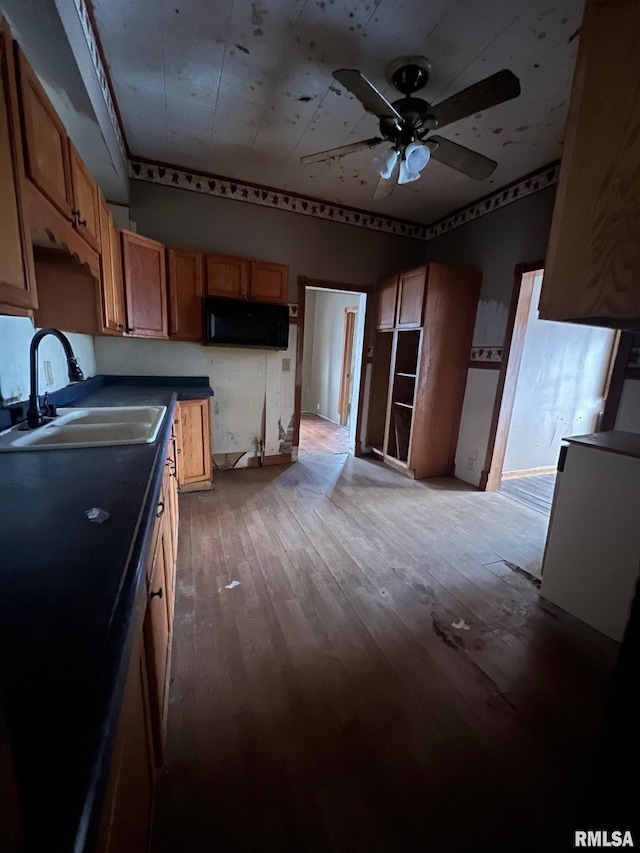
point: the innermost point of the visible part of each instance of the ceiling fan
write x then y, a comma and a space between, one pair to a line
408, 123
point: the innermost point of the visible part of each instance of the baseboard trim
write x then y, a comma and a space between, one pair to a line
529, 472
277, 459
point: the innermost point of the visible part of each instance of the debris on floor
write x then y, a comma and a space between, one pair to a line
232, 585
461, 625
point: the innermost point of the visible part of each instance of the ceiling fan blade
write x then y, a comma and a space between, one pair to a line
489, 92
464, 160
387, 185
366, 93
342, 150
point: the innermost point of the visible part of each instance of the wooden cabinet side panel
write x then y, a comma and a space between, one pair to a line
387, 296
411, 298
119, 312
45, 140
195, 463
157, 629
451, 304
145, 286
107, 278
17, 279
185, 282
269, 282
227, 276
593, 262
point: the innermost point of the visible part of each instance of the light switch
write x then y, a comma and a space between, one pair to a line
286, 365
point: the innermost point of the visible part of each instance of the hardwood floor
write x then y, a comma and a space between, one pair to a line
318, 435
535, 492
382, 679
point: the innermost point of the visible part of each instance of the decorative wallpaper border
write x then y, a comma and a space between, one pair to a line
530, 184
221, 187
486, 355
92, 44
269, 197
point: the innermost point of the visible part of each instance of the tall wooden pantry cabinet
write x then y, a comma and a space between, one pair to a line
421, 354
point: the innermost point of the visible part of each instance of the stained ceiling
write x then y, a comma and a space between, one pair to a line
243, 88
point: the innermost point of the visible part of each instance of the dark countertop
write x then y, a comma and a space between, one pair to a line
613, 441
70, 590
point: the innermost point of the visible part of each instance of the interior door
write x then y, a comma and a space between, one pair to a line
346, 375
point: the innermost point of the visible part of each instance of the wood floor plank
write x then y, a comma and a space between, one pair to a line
329, 703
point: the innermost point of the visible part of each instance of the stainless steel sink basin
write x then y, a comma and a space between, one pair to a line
84, 427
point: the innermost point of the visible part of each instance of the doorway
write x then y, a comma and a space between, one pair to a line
333, 339
558, 377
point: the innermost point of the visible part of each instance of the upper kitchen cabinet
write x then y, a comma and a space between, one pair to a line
186, 290
240, 278
112, 291
269, 282
46, 148
227, 276
387, 295
85, 200
592, 270
411, 289
17, 280
145, 286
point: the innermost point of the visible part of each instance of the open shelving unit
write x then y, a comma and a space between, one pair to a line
421, 354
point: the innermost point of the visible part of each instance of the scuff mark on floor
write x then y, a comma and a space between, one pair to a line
520, 571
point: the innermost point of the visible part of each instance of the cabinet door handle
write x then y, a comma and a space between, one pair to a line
158, 593
160, 512
178, 450
119, 326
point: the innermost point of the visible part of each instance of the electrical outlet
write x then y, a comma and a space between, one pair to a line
317, 407
286, 365
48, 373
471, 463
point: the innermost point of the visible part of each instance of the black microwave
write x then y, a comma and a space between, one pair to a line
240, 323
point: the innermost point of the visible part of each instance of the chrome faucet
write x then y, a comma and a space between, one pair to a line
35, 412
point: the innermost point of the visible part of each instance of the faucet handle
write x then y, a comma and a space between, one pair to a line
48, 409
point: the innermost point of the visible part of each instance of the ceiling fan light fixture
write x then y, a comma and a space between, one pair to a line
416, 157
385, 163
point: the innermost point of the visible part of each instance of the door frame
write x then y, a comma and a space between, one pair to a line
344, 397
369, 291
491, 476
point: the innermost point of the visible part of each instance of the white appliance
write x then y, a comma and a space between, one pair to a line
592, 556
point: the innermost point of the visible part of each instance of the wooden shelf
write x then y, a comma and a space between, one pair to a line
409, 375
404, 405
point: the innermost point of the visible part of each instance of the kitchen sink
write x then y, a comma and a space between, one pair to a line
88, 427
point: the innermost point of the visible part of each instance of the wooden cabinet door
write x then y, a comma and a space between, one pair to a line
411, 290
387, 293
227, 276
186, 289
45, 141
269, 282
17, 279
157, 629
194, 443
125, 825
145, 286
592, 267
111, 272
85, 201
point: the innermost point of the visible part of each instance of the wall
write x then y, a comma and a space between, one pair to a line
562, 375
495, 244
15, 338
323, 350
628, 418
250, 385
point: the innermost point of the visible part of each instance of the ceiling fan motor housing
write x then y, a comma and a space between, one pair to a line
417, 119
409, 73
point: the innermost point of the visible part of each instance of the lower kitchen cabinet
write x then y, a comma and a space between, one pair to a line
192, 427
125, 826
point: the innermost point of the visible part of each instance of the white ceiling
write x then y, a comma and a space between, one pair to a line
243, 88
